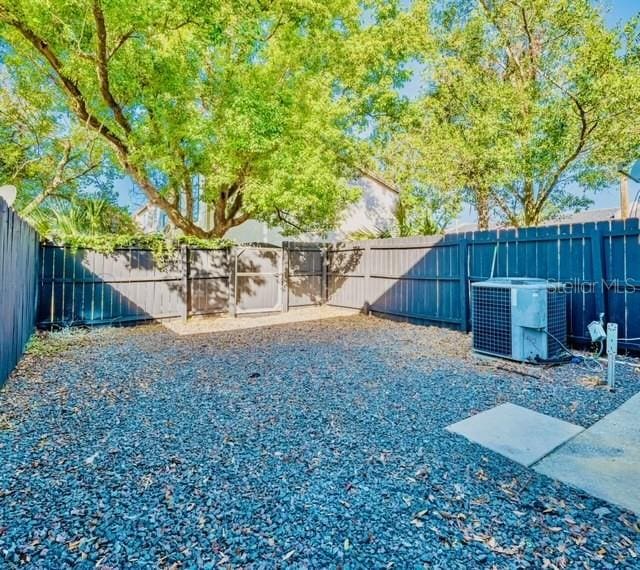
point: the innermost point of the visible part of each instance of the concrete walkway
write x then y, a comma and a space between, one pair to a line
225, 323
603, 460
522, 435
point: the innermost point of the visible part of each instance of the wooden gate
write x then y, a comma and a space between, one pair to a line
257, 280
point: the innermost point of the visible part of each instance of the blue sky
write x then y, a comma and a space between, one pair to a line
621, 10
616, 11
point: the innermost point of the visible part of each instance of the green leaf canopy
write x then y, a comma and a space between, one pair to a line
263, 100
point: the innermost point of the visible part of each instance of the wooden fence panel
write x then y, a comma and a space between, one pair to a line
88, 287
428, 278
415, 280
18, 287
208, 281
128, 285
346, 275
305, 273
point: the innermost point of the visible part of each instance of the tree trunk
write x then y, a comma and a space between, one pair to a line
482, 209
530, 206
217, 232
31, 206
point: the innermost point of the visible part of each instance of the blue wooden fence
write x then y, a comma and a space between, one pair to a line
128, 285
427, 279
18, 287
422, 279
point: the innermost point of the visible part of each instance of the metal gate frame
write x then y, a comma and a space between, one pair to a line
236, 253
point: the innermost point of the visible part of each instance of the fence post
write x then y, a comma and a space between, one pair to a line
612, 352
324, 274
598, 272
37, 278
463, 271
284, 277
367, 279
184, 268
233, 260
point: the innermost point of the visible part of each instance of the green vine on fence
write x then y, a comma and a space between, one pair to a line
162, 247
201, 243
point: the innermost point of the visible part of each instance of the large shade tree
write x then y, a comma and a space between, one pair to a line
523, 100
261, 100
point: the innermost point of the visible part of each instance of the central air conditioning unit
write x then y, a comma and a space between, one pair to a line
519, 318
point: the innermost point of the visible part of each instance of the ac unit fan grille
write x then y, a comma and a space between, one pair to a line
556, 323
491, 313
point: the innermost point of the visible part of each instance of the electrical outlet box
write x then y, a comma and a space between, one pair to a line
596, 330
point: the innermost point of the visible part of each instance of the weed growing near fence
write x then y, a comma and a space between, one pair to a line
47, 344
162, 247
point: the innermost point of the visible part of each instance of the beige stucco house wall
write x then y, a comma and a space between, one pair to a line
374, 210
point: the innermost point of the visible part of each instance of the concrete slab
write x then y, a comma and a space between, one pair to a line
202, 325
518, 433
604, 460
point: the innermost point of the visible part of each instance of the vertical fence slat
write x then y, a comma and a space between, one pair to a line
19, 269
463, 275
420, 284
324, 275
597, 262
286, 254
183, 294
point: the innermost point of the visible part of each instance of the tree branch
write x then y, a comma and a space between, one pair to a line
235, 207
274, 30
120, 43
91, 167
530, 41
79, 107
56, 181
102, 68
505, 38
282, 216
585, 131
511, 215
68, 85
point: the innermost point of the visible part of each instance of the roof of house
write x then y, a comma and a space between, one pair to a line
379, 179
141, 210
466, 227
585, 216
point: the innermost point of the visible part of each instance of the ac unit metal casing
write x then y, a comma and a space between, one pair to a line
519, 318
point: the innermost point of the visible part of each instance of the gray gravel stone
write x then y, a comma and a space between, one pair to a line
138, 448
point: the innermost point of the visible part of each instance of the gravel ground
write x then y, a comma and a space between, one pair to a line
305, 445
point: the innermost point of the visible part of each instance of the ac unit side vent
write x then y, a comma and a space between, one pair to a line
556, 322
491, 313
